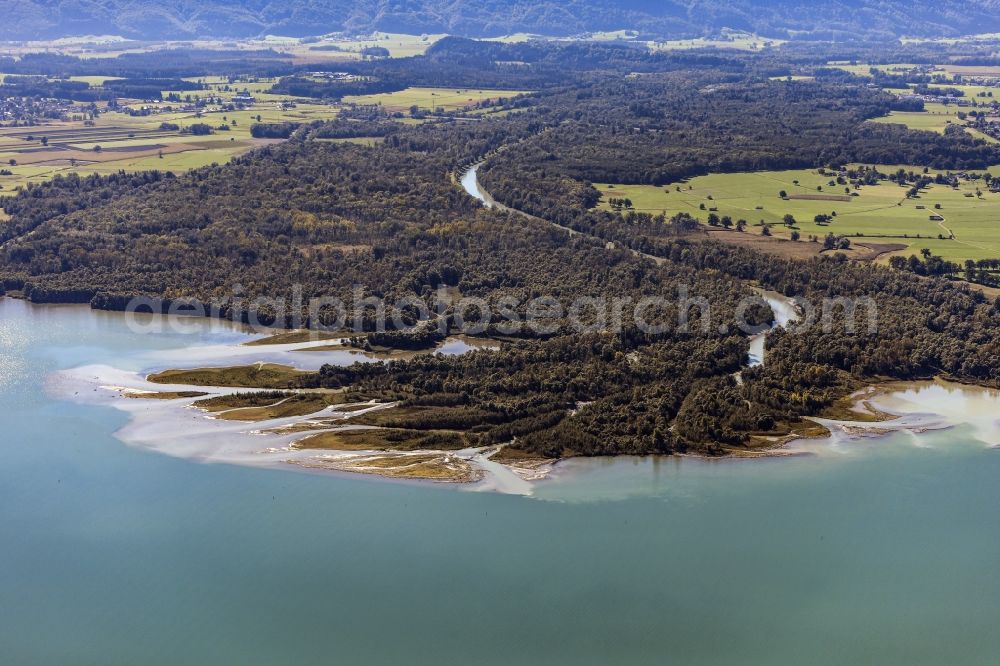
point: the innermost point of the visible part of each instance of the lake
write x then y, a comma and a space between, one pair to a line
881, 550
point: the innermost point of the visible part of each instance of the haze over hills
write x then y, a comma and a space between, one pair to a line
149, 19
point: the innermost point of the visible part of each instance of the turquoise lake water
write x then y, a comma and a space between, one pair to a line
109, 554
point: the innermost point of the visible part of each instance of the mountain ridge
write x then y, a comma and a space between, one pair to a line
186, 19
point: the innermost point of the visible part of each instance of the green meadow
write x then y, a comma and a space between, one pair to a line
325, 50
399, 45
430, 99
934, 118
880, 213
732, 39
118, 141
863, 69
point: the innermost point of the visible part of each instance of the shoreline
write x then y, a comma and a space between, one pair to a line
916, 407
173, 426
177, 428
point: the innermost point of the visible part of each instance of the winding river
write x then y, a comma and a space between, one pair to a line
783, 307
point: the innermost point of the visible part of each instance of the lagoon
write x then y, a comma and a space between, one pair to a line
875, 550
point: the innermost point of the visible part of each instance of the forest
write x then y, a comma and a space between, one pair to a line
81, 91
322, 217
161, 63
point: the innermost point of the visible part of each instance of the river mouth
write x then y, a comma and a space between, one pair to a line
179, 428
175, 428
168, 417
920, 411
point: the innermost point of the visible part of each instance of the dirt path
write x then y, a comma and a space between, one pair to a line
954, 237
941, 223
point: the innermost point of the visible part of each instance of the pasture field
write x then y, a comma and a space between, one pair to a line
611, 35
973, 70
732, 40
880, 214
430, 99
368, 141
94, 80
221, 87
864, 69
331, 50
971, 92
136, 143
516, 38
964, 39
399, 45
301, 52
934, 118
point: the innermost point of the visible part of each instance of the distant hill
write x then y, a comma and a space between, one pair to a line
181, 19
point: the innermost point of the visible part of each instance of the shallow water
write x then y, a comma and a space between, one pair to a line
879, 551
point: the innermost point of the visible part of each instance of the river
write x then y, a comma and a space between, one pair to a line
784, 308
876, 550
470, 183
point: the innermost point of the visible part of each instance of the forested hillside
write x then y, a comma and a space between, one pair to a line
146, 19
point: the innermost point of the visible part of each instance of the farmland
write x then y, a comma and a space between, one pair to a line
880, 213
948, 70
431, 99
114, 141
973, 70
398, 45
157, 135
934, 117
862, 69
301, 51
728, 40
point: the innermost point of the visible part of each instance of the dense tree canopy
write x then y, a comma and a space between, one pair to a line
325, 217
